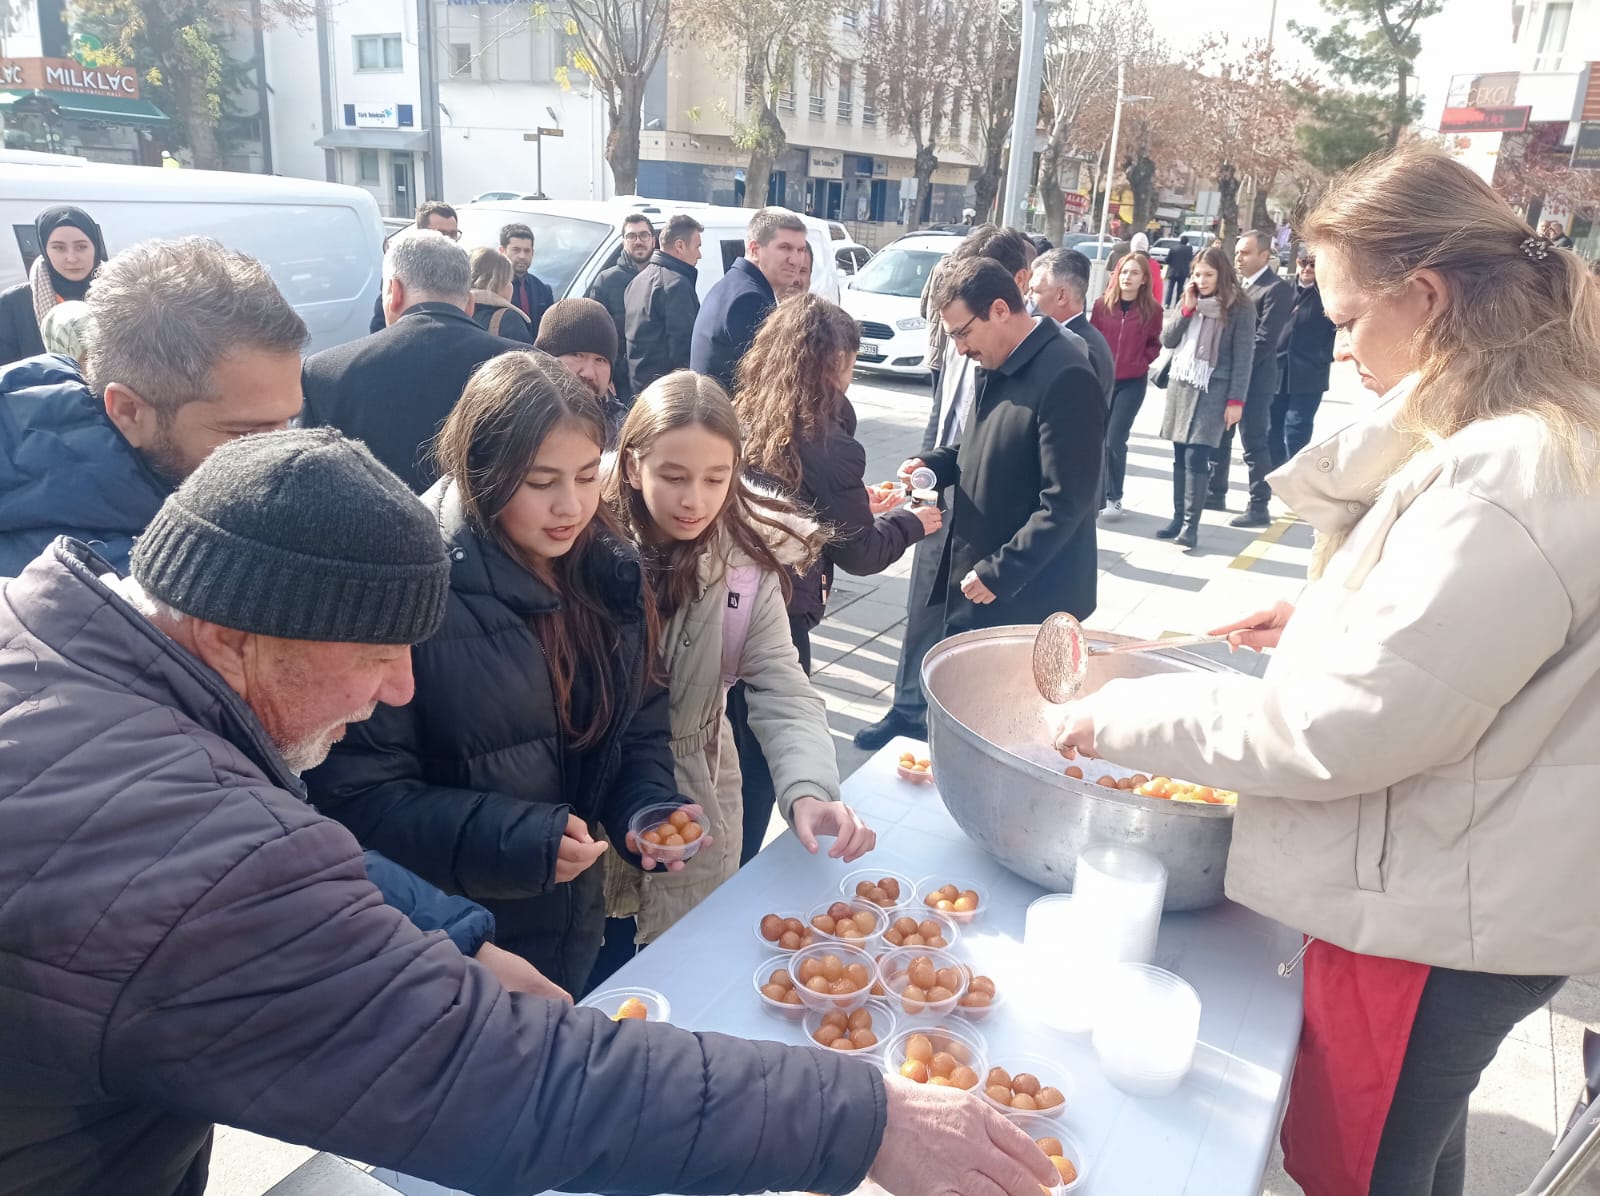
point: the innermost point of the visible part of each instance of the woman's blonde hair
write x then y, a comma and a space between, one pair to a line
750, 518
1521, 329
491, 270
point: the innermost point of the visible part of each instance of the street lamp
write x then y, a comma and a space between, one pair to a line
1109, 174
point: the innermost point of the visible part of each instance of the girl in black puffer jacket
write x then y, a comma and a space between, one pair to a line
536, 722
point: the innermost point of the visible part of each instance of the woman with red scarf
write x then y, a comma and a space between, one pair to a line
1418, 764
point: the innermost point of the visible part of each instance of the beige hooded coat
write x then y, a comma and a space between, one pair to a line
1420, 765
787, 714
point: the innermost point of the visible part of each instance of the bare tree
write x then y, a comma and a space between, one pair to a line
914, 51
989, 82
759, 41
620, 41
1085, 38
1246, 117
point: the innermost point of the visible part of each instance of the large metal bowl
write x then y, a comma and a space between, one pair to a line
991, 732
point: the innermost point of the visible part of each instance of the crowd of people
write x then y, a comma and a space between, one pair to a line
322, 678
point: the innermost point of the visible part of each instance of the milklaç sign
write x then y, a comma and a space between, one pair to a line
62, 74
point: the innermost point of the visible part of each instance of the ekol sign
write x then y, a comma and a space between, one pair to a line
62, 74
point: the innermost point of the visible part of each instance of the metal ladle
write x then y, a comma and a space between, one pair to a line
1061, 654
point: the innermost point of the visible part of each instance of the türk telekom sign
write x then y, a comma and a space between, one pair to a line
62, 74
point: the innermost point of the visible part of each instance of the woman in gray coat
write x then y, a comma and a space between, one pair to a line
1213, 338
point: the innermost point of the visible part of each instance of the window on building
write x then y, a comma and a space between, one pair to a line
380, 52
819, 95
461, 59
786, 91
848, 19
869, 99
847, 101
367, 166
1553, 36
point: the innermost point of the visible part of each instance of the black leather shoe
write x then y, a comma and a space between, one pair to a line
1171, 530
1189, 537
1216, 502
873, 736
1253, 517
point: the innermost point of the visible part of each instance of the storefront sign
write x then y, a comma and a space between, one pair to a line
1586, 149
62, 74
1498, 90
1075, 203
825, 164
1484, 120
375, 116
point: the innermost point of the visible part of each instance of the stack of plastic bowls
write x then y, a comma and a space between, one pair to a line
1120, 889
1146, 1029
1067, 953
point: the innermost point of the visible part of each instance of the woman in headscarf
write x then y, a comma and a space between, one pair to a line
71, 250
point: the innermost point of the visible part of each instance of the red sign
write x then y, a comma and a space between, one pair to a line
1484, 120
62, 74
1075, 203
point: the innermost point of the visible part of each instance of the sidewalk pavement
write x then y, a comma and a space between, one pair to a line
1147, 588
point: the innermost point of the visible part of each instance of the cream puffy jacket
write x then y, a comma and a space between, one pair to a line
1420, 765
787, 715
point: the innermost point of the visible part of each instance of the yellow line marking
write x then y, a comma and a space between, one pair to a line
1258, 547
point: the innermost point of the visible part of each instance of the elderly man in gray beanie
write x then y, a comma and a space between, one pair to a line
184, 941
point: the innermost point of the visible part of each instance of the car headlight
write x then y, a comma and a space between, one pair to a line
911, 324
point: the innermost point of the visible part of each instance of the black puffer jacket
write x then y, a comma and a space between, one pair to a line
660, 307
833, 483
470, 785
183, 941
610, 287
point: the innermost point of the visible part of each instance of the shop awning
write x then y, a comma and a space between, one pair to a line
379, 139
112, 110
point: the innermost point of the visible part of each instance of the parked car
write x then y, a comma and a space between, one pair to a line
576, 239
492, 196
1164, 246
321, 241
849, 255
886, 300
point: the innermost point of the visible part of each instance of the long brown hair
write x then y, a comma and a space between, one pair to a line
1229, 294
1146, 302
786, 392
509, 408
1520, 333
749, 518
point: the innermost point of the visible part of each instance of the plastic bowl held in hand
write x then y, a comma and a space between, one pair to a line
971, 898
856, 969
663, 820
863, 925
882, 1027
1146, 1030
611, 1002
963, 1045
1042, 1086
898, 934
773, 976
860, 884
927, 990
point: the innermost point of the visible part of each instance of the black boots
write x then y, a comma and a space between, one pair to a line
1254, 516
1194, 501
874, 735
1170, 532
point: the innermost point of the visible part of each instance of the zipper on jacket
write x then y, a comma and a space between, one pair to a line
1289, 968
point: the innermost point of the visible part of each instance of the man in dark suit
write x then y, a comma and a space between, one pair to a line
1304, 356
611, 286
394, 388
437, 215
662, 304
1179, 259
739, 304
1272, 299
1059, 288
1021, 542
530, 294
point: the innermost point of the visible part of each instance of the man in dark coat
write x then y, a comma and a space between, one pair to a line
1180, 258
194, 345
1272, 299
442, 219
1304, 354
1021, 542
530, 294
661, 305
393, 389
1059, 288
739, 304
611, 285
214, 951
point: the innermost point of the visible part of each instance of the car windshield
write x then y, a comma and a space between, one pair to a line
561, 244
902, 272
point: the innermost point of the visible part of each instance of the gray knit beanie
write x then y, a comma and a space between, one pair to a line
300, 535
577, 326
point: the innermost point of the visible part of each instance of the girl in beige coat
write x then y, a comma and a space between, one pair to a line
1418, 767
713, 545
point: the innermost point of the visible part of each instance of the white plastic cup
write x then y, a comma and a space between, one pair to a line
1147, 1029
1122, 890
923, 478
1067, 952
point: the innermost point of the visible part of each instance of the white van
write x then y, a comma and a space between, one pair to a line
574, 240
321, 241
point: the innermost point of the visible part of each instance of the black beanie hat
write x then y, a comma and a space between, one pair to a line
577, 326
300, 535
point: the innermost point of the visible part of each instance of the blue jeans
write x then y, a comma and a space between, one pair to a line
1292, 415
1461, 1021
